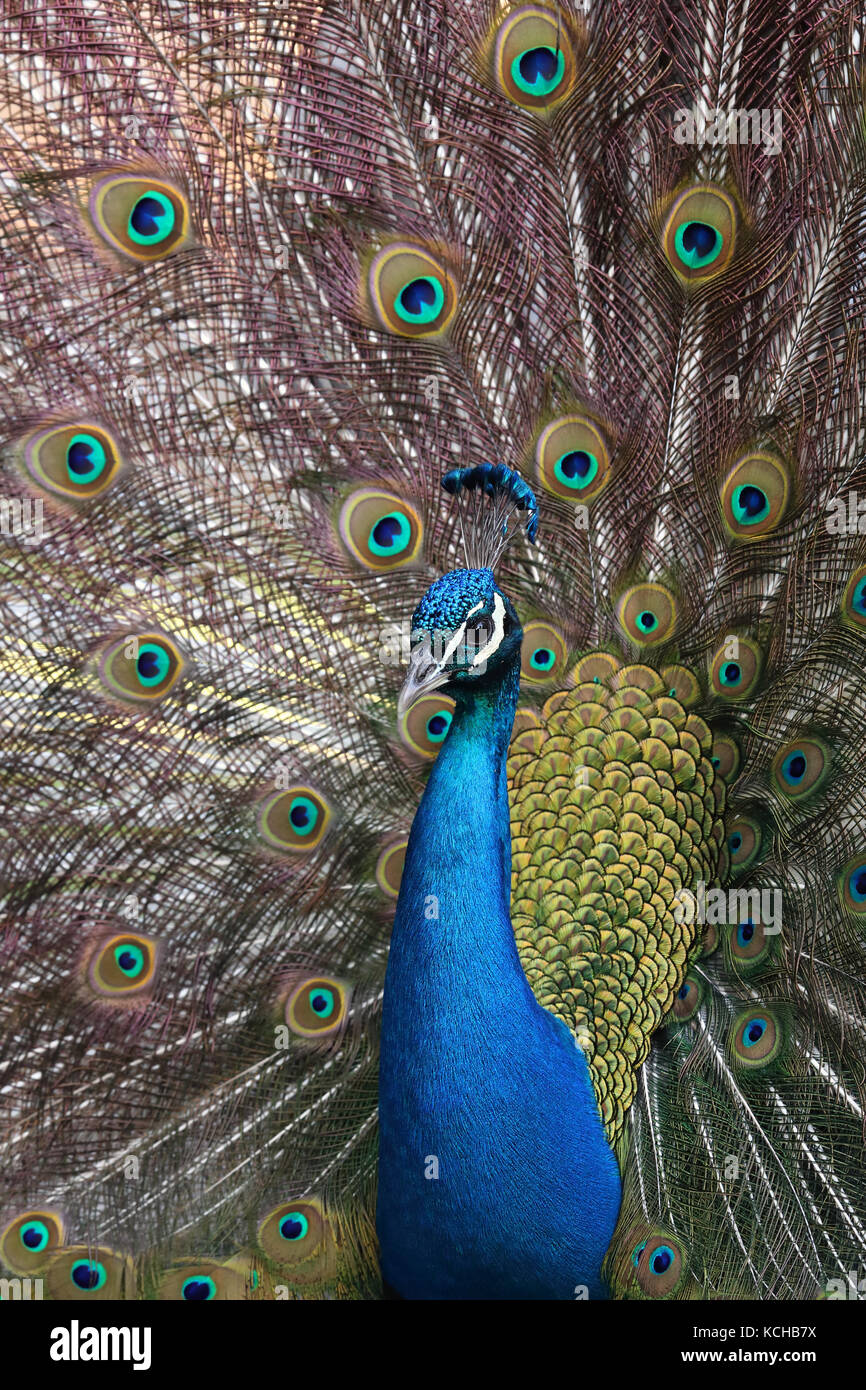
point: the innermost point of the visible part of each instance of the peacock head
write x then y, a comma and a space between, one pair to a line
464, 630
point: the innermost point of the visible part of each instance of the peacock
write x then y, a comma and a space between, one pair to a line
434, 624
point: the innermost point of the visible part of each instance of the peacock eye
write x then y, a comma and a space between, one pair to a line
754, 496
145, 219
317, 1007
141, 666
647, 614
295, 819
379, 530
293, 1231
30, 1240
88, 1275
854, 599
35, 1236
123, 966
410, 292
72, 461
533, 58
199, 1289
572, 458
480, 630
700, 232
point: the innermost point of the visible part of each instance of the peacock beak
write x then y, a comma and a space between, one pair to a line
424, 674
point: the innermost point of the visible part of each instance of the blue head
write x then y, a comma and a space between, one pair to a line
465, 633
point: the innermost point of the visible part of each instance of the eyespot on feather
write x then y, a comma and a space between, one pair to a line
410, 292
95, 1273
688, 999
744, 842
141, 666
543, 654
389, 867
379, 530
854, 600
736, 677
852, 885
754, 496
700, 233
316, 1007
726, 757
143, 218
748, 944
647, 614
74, 462
533, 57
293, 1232
30, 1241
756, 1038
660, 1264
124, 966
801, 767
295, 819
202, 1281
572, 459
424, 727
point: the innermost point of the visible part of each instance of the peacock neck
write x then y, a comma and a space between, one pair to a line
459, 854
475, 1077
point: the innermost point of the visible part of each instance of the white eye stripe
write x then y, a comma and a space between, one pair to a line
459, 637
498, 616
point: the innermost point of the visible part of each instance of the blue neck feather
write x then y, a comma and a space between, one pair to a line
495, 1176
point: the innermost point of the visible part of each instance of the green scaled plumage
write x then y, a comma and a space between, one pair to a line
638, 278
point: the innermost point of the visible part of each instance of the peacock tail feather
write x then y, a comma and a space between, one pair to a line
268, 272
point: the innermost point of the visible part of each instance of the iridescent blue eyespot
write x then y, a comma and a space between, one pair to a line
745, 933
577, 469
754, 1031
852, 881
130, 959
34, 1236
152, 219
391, 535
200, 1289
794, 767
303, 814
294, 1226
735, 841
542, 659
152, 664
86, 458
661, 1259
534, 58
438, 725
538, 71
750, 504
322, 1002
88, 1275
420, 301
857, 885
697, 244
